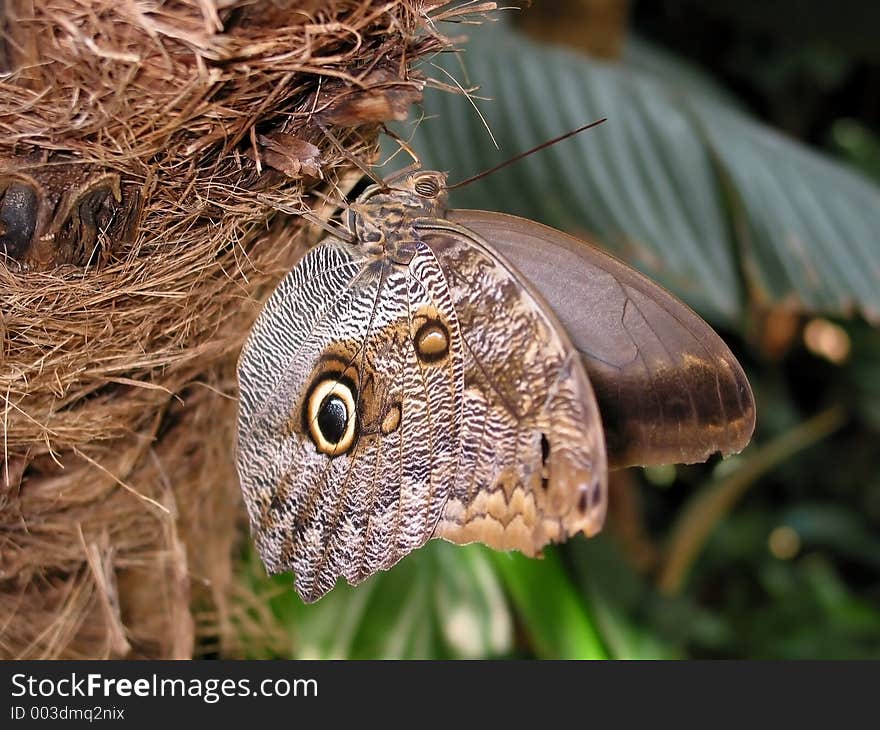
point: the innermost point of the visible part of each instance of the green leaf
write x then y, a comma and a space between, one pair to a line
678, 182
793, 608
646, 58
811, 613
809, 225
627, 183
554, 617
442, 601
616, 595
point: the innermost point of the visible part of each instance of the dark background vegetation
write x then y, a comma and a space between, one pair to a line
775, 552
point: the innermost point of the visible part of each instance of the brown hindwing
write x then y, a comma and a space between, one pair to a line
669, 389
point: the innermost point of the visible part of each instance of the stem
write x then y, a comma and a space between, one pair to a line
707, 508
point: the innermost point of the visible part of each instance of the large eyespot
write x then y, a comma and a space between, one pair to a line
331, 414
428, 186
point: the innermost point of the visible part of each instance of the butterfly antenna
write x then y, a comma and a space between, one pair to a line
518, 157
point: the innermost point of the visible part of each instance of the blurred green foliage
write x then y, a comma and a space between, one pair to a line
762, 235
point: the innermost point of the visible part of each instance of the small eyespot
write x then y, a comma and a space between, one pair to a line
427, 186
331, 415
432, 341
19, 208
391, 421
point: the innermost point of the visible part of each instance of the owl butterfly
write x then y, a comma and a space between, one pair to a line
442, 374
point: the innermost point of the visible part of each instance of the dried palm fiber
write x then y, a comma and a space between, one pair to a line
145, 151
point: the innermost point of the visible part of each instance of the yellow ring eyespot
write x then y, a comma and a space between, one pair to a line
331, 415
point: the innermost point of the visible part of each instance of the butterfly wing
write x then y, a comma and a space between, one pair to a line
332, 495
531, 467
668, 387
469, 415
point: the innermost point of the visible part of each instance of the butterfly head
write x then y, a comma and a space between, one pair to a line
422, 190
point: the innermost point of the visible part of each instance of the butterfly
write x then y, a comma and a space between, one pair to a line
465, 375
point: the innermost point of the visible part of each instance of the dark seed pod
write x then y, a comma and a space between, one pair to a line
19, 209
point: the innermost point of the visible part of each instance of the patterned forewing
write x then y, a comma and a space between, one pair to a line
303, 311
354, 513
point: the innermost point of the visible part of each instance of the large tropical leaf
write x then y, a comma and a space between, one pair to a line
679, 181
